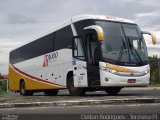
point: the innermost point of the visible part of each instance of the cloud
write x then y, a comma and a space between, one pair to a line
22, 21
18, 19
10, 45
51, 10
151, 14
3, 68
150, 20
153, 3
5, 48
4, 62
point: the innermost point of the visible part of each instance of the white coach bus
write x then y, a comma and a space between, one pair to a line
86, 53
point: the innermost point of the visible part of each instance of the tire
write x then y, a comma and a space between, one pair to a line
51, 92
72, 90
29, 93
113, 90
23, 90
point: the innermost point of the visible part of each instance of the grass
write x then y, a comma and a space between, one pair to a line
154, 85
2, 92
3, 101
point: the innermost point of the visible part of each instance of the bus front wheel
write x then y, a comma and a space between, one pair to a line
73, 90
113, 90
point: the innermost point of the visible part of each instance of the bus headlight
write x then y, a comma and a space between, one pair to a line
113, 71
147, 71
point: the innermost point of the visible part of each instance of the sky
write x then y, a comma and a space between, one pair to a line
22, 21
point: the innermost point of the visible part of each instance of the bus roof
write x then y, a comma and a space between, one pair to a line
100, 17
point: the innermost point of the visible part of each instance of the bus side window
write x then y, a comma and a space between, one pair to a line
78, 49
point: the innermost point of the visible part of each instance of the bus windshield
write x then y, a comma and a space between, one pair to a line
123, 44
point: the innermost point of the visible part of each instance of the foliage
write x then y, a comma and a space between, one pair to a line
1, 77
3, 85
155, 78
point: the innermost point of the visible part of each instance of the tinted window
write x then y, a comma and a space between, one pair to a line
81, 24
78, 49
63, 38
114, 40
36, 48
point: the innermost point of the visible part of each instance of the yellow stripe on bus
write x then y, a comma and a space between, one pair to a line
31, 84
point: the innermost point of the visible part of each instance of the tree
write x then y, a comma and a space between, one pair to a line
1, 77
154, 69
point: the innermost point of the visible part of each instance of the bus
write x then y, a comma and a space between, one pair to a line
85, 53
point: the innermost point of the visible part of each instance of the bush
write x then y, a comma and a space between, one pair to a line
155, 78
3, 85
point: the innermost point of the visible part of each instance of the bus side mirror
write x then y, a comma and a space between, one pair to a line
98, 30
152, 35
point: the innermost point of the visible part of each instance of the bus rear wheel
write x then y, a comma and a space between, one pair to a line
23, 90
51, 92
113, 90
73, 90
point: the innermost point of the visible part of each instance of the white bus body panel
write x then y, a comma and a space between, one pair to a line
56, 70
80, 73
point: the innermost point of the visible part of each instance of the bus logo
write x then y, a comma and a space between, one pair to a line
45, 63
110, 18
50, 58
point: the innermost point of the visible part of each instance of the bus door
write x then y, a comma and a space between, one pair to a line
92, 58
79, 63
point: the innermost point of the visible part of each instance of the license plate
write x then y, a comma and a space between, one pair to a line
131, 80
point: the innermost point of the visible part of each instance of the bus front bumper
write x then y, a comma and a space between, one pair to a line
109, 79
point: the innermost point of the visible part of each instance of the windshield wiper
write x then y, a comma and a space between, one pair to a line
120, 56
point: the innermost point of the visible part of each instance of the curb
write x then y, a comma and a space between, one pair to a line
82, 102
142, 88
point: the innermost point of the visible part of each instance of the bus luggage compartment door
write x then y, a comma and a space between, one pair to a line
80, 73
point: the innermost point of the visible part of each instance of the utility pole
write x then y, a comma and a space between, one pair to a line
159, 70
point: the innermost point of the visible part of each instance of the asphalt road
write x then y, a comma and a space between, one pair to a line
124, 92
113, 109
133, 91
114, 112
64, 95
43, 112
